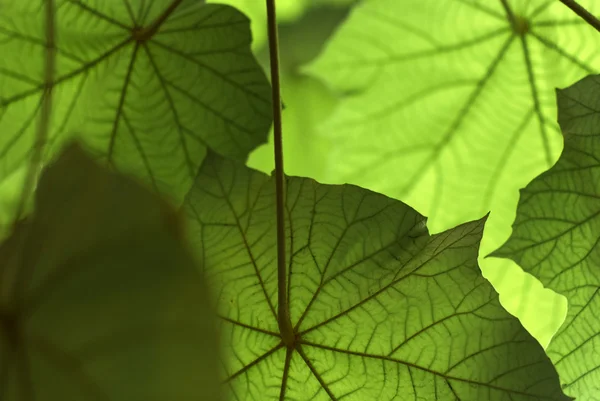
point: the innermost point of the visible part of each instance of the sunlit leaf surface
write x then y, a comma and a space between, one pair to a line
452, 109
556, 234
381, 309
148, 86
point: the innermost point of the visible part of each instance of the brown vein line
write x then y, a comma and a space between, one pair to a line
248, 250
554, 47
525, 366
316, 374
290, 264
120, 106
424, 329
141, 152
153, 28
437, 150
65, 77
555, 23
217, 9
481, 351
540, 9
386, 287
215, 72
144, 10
286, 371
247, 326
130, 12
582, 376
536, 100
18, 76
27, 122
452, 389
99, 15
427, 53
73, 103
577, 315
323, 282
242, 128
173, 109
254, 362
195, 29
509, 14
554, 237
397, 106
315, 295
421, 368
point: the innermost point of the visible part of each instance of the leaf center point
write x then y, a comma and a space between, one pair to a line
142, 34
521, 25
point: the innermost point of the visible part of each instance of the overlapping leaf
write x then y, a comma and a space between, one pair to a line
147, 85
99, 299
449, 101
451, 109
556, 234
287, 11
381, 309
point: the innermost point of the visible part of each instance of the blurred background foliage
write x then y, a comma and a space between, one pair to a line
305, 27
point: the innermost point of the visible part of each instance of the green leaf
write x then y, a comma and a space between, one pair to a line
99, 299
451, 96
556, 233
287, 11
148, 86
452, 110
382, 310
303, 146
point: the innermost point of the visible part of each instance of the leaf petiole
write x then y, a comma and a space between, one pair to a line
283, 316
583, 13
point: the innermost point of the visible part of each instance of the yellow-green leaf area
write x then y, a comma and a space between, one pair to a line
147, 86
381, 309
450, 106
556, 233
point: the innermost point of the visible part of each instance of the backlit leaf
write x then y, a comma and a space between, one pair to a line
146, 85
381, 309
452, 109
556, 234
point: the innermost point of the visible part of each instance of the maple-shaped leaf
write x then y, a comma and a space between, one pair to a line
556, 233
381, 309
451, 107
147, 86
99, 297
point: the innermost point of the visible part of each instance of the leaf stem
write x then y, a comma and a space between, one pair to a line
283, 316
583, 13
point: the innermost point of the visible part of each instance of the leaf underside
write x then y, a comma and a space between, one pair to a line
145, 101
447, 104
452, 110
556, 234
381, 309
